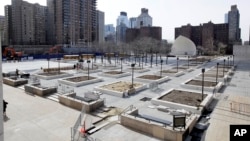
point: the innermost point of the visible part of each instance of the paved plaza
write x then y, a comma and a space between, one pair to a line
32, 117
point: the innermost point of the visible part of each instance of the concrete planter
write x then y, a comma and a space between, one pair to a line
41, 91
220, 79
110, 67
193, 109
118, 93
77, 84
90, 71
180, 73
196, 87
138, 71
115, 75
13, 82
53, 76
70, 101
154, 129
161, 80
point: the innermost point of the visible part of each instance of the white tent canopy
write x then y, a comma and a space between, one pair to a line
183, 46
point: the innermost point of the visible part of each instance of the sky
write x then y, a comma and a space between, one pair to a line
170, 13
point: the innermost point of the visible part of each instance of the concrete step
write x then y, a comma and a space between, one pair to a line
53, 97
21, 87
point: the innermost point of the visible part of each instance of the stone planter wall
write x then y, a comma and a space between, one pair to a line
117, 93
196, 87
150, 81
155, 129
39, 91
138, 71
14, 83
180, 73
77, 84
68, 100
173, 105
116, 75
52, 77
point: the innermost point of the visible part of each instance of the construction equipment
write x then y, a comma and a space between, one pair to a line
55, 49
11, 54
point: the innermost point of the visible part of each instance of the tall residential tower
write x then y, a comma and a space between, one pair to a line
74, 21
234, 25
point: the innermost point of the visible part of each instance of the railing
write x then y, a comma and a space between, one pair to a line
129, 108
75, 134
241, 108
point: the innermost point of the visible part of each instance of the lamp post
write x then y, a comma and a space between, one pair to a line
132, 66
121, 64
156, 59
188, 61
58, 59
166, 59
233, 60
161, 68
224, 66
217, 73
48, 59
142, 61
151, 60
202, 86
177, 63
88, 61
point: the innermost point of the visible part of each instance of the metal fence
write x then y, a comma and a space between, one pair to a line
241, 108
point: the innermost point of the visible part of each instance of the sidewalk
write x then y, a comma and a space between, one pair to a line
33, 118
233, 106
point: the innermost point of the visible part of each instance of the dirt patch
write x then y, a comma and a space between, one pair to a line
190, 65
226, 66
183, 97
199, 83
199, 59
114, 72
80, 78
170, 71
151, 77
180, 68
220, 75
219, 71
120, 86
51, 73
136, 68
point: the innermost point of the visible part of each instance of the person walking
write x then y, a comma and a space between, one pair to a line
4, 107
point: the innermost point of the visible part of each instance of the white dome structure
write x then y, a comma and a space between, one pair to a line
183, 46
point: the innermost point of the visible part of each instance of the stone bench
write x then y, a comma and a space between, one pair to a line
37, 89
14, 81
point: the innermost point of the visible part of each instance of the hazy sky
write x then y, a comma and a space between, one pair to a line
171, 13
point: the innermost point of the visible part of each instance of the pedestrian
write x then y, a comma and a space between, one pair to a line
4, 107
17, 72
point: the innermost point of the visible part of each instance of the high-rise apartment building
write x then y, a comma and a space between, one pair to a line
50, 24
144, 20
132, 22
205, 35
234, 25
121, 27
100, 27
74, 21
8, 38
27, 23
109, 29
2, 26
110, 33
